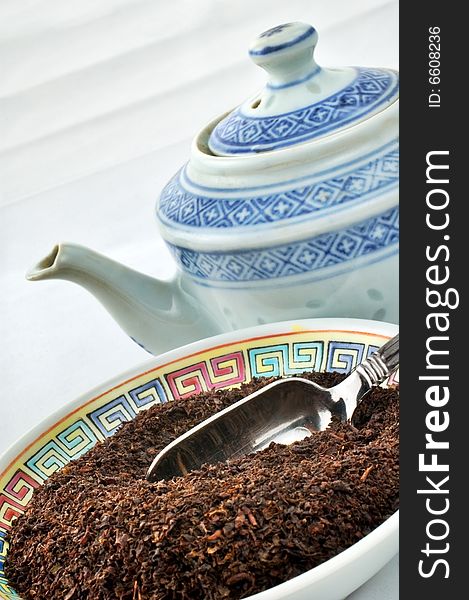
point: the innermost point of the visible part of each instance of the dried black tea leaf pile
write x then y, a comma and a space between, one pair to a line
98, 530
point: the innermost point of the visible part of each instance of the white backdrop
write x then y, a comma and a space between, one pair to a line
98, 105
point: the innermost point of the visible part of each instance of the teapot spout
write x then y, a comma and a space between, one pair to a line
157, 315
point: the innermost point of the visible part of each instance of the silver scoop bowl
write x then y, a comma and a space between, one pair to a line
284, 411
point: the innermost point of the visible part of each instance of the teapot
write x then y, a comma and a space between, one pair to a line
287, 208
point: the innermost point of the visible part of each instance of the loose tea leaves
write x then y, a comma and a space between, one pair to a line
97, 530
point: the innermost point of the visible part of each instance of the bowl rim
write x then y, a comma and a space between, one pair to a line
384, 531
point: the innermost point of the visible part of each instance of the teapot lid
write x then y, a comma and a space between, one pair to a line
301, 101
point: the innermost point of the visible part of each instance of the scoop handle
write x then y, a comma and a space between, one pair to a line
377, 367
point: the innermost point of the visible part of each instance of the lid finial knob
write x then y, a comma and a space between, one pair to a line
286, 52
301, 101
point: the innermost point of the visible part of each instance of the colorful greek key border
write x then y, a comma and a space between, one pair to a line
221, 367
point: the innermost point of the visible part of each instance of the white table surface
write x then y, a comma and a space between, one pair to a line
98, 104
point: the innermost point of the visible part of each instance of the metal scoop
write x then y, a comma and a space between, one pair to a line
284, 411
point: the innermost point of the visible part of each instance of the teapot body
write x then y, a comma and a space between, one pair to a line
310, 231
369, 292
288, 208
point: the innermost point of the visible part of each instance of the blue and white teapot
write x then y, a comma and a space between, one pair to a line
287, 208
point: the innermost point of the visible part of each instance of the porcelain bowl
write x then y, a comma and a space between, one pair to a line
222, 361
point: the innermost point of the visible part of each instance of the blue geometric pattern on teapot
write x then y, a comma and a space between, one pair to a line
239, 133
364, 239
178, 205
